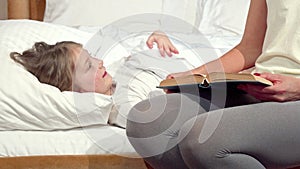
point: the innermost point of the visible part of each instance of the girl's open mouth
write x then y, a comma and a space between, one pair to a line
104, 74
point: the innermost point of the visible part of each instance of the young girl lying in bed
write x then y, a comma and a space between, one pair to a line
67, 66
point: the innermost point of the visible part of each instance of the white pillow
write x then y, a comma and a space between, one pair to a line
104, 12
27, 104
222, 17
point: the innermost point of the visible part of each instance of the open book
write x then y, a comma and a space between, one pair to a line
215, 78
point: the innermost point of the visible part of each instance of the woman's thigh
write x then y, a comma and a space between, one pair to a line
252, 136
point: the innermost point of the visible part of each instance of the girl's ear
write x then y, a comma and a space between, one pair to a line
76, 88
81, 91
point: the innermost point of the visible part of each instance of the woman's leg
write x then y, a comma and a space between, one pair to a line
153, 126
265, 135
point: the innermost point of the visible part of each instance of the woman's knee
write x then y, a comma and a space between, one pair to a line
153, 125
191, 147
152, 122
147, 113
156, 115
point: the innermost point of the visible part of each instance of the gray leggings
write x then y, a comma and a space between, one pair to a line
187, 131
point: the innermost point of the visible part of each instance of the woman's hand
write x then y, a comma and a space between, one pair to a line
180, 74
285, 88
163, 43
175, 75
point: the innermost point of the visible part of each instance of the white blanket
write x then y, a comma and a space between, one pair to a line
139, 70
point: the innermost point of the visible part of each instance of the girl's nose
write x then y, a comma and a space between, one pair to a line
100, 65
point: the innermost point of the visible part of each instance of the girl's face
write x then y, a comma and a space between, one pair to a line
89, 74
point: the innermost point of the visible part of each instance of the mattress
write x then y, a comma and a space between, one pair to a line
101, 139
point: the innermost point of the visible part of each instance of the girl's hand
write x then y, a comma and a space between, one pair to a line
163, 43
285, 88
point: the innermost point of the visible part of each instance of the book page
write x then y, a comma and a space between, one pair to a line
238, 77
192, 79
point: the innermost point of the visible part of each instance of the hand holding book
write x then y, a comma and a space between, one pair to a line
284, 88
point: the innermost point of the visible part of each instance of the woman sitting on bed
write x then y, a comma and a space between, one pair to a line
188, 131
67, 66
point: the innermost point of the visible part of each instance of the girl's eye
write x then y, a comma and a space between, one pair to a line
90, 65
90, 53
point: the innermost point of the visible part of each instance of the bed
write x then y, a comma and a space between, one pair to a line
71, 133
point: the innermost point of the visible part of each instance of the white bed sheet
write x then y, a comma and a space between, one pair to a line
80, 141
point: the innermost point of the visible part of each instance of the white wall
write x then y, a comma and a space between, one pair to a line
3, 9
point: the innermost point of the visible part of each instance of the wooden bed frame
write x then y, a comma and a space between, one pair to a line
26, 9
34, 10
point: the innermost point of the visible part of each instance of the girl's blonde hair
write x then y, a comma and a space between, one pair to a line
51, 64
